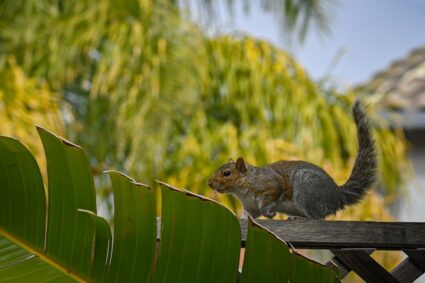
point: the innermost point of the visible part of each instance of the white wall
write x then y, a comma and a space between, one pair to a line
413, 206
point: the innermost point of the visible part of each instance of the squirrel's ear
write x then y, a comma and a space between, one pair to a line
240, 165
230, 160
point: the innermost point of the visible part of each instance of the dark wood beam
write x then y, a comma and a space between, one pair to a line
339, 264
407, 271
365, 266
319, 234
417, 256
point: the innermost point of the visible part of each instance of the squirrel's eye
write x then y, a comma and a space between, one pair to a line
227, 173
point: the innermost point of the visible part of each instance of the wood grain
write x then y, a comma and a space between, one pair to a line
319, 234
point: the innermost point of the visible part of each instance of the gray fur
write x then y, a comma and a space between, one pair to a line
364, 172
299, 188
317, 193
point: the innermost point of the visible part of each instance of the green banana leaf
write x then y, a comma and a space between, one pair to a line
134, 230
279, 263
24, 253
56, 236
200, 240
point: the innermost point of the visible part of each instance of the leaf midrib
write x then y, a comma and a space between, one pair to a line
43, 256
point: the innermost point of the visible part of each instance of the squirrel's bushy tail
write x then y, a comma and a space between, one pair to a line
364, 171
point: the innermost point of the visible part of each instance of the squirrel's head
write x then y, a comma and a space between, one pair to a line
229, 177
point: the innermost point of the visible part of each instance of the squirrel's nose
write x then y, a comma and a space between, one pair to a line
210, 183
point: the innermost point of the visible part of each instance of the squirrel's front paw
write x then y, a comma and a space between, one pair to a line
296, 217
268, 210
269, 213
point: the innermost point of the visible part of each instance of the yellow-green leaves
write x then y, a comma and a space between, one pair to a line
24, 102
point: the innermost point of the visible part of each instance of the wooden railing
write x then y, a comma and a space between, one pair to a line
352, 243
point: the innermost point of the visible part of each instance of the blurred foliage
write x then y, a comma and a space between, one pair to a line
24, 103
144, 90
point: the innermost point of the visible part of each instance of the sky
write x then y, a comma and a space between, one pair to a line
371, 33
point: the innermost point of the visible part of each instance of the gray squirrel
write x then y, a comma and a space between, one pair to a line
299, 188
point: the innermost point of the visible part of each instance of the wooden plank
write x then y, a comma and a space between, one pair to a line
412, 267
365, 266
339, 265
342, 268
417, 256
320, 234
407, 271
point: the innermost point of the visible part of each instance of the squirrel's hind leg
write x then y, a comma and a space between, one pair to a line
315, 194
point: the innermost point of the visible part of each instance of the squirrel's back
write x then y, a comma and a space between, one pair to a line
315, 193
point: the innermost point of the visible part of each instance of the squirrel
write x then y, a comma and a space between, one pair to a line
299, 188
